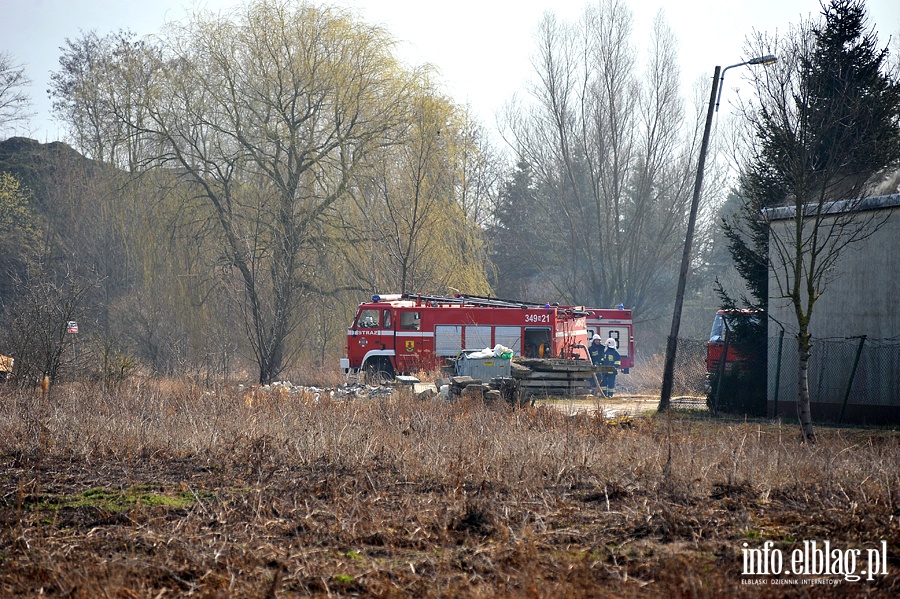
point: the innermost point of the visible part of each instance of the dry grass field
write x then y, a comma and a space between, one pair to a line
165, 490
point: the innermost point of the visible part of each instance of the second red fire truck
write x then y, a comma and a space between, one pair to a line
716, 346
399, 333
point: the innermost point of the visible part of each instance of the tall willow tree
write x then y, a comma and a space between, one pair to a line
416, 234
609, 159
268, 113
19, 235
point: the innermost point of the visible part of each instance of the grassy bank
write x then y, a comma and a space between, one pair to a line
170, 490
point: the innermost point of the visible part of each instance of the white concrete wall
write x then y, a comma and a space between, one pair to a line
862, 298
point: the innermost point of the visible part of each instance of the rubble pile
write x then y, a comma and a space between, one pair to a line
346, 391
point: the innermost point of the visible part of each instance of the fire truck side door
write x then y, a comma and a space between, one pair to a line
510, 337
409, 341
447, 340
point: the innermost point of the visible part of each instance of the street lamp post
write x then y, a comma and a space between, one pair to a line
763, 60
672, 341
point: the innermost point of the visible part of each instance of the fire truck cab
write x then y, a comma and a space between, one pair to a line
399, 333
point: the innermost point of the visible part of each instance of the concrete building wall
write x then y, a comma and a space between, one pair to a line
861, 299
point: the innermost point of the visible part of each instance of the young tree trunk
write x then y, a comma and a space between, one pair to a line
270, 363
804, 413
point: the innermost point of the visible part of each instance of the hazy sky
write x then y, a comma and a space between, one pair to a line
481, 48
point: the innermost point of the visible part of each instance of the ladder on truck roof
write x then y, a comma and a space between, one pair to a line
578, 311
465, 300
485, 301
571, 309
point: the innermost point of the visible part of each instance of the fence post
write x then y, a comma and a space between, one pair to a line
862, 340
778, 372
721, 370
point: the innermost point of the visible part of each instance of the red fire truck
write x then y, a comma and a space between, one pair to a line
715, 347
613, 323
400, 333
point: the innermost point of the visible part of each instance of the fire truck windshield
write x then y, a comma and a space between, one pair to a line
734, 318
718, 329
368, 319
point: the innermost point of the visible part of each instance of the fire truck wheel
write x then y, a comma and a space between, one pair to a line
377, 373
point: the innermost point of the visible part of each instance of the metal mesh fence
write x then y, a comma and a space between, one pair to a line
862, 371
690, 368
689, 381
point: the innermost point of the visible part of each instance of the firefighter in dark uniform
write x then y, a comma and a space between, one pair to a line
611, 361
595, 353
595, 350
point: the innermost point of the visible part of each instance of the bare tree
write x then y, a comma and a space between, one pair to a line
36, 323
480, 170
96, 93
828, 120
15, 103
610, 158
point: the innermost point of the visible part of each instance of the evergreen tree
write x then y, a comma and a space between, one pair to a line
512, 235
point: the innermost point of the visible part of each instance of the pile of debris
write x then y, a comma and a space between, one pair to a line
466, 387
345, 391
520, 382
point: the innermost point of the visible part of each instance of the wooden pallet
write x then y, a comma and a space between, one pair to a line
546, 377
530, 379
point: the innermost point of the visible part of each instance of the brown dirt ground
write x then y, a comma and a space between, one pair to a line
297, 533
240, 519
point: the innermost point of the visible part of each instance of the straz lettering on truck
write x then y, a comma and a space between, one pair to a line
403, 333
